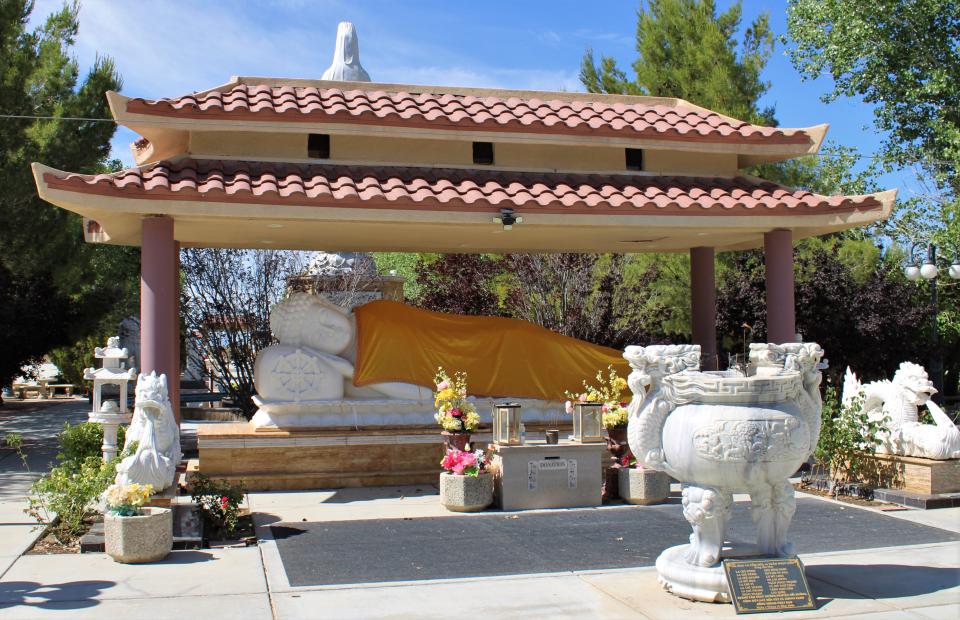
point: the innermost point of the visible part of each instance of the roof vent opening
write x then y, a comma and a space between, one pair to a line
318, 146
483, 153
634, 159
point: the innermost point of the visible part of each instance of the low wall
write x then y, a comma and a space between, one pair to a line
329, 458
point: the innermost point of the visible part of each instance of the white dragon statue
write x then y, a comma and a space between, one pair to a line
899, 401
157, 436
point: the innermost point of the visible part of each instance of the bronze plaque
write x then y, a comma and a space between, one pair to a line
768, 584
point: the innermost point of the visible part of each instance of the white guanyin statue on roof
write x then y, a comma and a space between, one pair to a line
346, 57
899, 401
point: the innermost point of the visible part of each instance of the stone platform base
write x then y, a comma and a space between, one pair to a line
916, 475
274, 460
921, 501
699, 583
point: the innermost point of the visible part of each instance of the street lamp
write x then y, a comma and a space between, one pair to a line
929, 271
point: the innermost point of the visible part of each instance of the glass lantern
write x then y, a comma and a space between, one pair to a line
506, 424
587, 423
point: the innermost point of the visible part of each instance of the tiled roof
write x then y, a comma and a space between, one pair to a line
455, 189
584, 117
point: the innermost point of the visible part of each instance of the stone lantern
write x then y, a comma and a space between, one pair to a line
109, 414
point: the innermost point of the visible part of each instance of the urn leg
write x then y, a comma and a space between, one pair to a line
708, 512
785, 504
772, 508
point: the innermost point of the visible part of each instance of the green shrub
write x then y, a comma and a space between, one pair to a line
219, 503
848, 440
81, 441
63, 497
67, 492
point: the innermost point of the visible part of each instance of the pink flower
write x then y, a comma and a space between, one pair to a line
443, 385
457, 461
455, 413
583, 398
568, 406
604, 408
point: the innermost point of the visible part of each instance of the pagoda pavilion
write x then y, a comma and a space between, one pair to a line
359, 166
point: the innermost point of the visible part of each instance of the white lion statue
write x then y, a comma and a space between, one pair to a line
900, 401
157, 436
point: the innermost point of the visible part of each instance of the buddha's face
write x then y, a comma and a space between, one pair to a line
326, 329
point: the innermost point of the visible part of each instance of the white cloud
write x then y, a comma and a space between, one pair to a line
166, 49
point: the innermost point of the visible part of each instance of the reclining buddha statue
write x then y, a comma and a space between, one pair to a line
375, 366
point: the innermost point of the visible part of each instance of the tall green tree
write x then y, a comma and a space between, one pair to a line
54, 289
685, 49
902, 57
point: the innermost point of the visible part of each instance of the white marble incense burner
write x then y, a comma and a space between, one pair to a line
721, 433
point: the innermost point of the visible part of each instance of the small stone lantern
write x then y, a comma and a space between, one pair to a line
587, 423
506, 424
113, 372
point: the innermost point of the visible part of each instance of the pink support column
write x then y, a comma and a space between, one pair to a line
175, 384
781, 312
158, 323
703, 305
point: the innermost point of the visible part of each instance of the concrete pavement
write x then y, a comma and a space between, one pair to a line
38, 422
918, 581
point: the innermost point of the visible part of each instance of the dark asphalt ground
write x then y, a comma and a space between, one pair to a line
501, 544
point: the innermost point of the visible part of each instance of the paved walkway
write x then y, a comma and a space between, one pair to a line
915, 581
38, 422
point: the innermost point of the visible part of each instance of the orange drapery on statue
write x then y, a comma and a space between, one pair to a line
502, 357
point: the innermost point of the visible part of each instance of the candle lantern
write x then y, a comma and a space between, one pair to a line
506, 424
587, 423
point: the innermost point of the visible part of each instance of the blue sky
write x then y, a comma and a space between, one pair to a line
165, 48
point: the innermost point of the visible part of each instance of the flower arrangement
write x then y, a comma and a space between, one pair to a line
454, 412
609, 391
219, 503
464, 463
127, 499
628, 460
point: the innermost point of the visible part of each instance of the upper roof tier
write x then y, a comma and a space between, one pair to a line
272, 104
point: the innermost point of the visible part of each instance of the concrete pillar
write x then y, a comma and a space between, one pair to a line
159, 327
781, 311
175, 384
703, 305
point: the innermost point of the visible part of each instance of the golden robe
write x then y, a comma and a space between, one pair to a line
502, 357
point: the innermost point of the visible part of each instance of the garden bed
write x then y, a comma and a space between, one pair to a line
846, 499
48, 544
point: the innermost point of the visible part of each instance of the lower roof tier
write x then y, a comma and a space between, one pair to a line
369, 208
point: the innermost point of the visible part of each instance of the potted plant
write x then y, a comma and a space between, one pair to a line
465, 483
133, 533
641, 485
455, 414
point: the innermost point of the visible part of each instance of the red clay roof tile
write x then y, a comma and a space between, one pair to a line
412, 188
467, 112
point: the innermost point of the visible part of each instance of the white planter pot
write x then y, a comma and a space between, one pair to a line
143, 538
643, 486
466, 493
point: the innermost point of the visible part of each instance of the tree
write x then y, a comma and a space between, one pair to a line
54, 289
854, 303
902, 56
686, 50
226, 302
458, 283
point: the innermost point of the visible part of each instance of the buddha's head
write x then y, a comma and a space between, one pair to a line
311, 321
